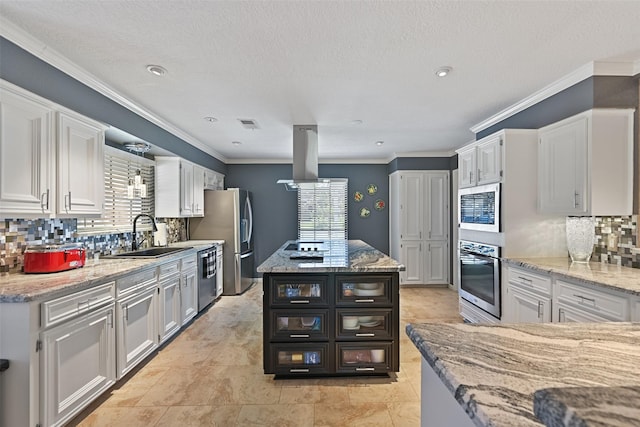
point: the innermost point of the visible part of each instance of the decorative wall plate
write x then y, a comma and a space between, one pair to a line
372, 189
358, 196
379, 205
364, 213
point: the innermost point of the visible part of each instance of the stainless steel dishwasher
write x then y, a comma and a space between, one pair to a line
207, 272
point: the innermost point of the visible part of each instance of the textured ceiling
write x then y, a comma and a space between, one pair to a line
329, 63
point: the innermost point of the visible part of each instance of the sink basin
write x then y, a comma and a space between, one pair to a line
146, 253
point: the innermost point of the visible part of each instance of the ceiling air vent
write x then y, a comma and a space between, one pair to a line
248, 124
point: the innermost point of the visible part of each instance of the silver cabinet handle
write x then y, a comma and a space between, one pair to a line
561, 316
43, 205
365, 300
470, 176
110, 319
366, 335
575, 199
479, 174
420, 234
67, 207
300, 301
583, 299
296, 371
365, 369
126, 312
299, 336
540, 309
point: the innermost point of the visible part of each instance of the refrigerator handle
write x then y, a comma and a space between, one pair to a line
247, 255
250, 227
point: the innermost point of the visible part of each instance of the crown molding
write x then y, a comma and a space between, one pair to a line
588, 70
42, 51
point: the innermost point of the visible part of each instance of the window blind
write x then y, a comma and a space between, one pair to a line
119, 211
322, 210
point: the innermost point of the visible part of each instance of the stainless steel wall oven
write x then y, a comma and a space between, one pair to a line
480, 276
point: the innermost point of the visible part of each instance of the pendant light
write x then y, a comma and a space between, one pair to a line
136, 186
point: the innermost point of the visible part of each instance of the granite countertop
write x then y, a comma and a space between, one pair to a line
493, 371
340, 256
624, 279
22, 287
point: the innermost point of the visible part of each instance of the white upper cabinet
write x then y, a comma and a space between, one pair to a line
213, 180
586, 164
27, 172
52, 161
411, 209
179, 188
480, 162
80, 166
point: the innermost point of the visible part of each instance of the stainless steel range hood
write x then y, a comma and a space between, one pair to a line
305, 158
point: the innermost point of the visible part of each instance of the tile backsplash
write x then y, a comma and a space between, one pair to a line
616, 240
17, 234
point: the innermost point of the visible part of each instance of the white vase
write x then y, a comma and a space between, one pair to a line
580, 237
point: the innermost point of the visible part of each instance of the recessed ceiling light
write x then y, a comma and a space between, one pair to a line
379, 143
156, 70
236, 143
211, 119
356, 122
443, 71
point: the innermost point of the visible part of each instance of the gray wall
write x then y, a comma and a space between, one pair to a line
25, 70
276, 210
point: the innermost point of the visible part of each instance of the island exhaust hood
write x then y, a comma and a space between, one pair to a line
305, 159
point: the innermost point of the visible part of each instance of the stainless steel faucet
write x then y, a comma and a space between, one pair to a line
134, 243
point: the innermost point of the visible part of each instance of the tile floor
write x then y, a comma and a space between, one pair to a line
211, 375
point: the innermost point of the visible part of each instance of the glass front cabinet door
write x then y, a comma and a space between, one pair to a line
363, 290
299, 290
363, 358
300, 359
364, 324
299, 325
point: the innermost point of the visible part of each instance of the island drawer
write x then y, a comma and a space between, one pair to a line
364, 358
363, 290
288, 290
364, 324
68, 306
611, 306
299, 325
300, 359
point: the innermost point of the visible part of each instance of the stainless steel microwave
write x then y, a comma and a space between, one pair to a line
479, 208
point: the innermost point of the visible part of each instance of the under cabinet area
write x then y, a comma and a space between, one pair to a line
537, 297
331, 324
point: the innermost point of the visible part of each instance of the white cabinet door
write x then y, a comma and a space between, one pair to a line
562, 171
27, 156
635, 309
186, 189
198, 191
80, 166
413, 259
569, 313
169, 308
189, 295
525, 307
411, 205
489, 160
436, 262
436, 205
137, 329
467, 167
77, 364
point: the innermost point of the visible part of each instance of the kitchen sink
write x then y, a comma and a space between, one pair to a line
146, 253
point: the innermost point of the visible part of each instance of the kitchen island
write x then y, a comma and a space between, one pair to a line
490, 375
330, 308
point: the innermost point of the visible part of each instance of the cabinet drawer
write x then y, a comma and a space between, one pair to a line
364, 324
363, 290
364, 358
298, 290
604, 304
129, 283
169, 268
189, 263
529, 281
300, 359
299, 325
66, 307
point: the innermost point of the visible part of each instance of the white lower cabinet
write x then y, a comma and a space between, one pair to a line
137, 328
635, 310
426, 262
169, 307
189, 295
437, 262
413, 261
78, 363
570, 313
527, 307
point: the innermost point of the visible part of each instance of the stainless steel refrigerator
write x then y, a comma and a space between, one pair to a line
228, 216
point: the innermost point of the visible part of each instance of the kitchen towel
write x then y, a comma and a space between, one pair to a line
210, 264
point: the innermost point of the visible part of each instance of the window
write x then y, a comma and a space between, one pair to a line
322, 210
119, 211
